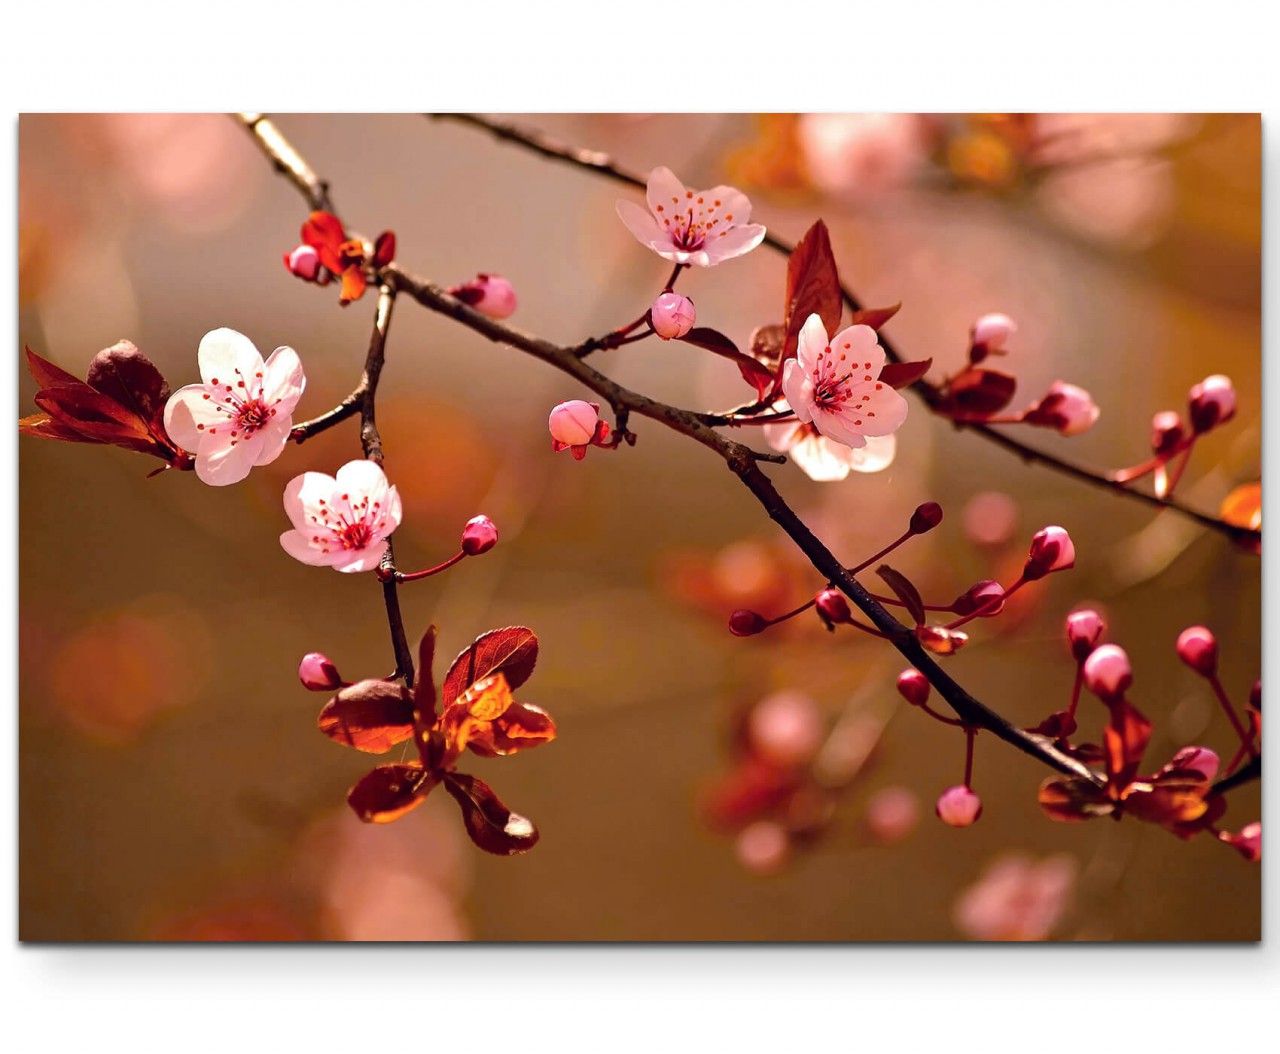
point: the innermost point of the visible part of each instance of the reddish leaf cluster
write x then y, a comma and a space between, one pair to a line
813, 287
344, 257
121, 404
477, 712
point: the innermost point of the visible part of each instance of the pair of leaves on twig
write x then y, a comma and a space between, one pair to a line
121, 404
477, 713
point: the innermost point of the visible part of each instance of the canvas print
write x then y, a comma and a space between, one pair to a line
640, 527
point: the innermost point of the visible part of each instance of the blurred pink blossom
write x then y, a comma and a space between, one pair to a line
1016, 899
861, 154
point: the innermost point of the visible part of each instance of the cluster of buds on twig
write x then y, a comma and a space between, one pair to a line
1180, 795
328, 252
1210, 403
981, 394
1051, 550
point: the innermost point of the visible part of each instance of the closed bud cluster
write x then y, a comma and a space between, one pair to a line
1211, 402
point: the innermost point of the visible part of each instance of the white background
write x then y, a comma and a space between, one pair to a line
540, 55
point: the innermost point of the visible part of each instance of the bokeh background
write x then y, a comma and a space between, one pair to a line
173, 785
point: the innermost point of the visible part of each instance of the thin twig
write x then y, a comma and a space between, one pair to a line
603, 164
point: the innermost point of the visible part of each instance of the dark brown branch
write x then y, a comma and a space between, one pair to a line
1244, 774
288, 162
371, 442
929, 393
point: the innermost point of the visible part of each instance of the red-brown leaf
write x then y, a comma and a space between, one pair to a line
1069, 799
520, 727
126, 375
323, 231
512, 650
752, 371
905, 591
904, 374
813, 286
424, 688
1124, 741
354, 284
491, 825
980, 392
384, 249
46, 374
875, 317
388, 792
372, 716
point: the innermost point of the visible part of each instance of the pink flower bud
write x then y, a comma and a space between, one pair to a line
1198, 648
479, 535
303, 262
1108, 673
958, 806
763, 848
925, 518
914, 687
833, 607
1084, 629
318, 673
986, 597
1166, 432
892, 814
1247, 842
1051, 550
490, 294
992, 332
573, 423
1211, 402
1196, 759
786, 728
744, 623
1066, 407
672, 315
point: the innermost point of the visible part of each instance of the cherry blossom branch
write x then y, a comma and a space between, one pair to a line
603, 164
740, 459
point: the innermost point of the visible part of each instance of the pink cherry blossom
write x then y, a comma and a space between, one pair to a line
861, 154
892, 814
1212, 402
699, 228
575, 425
317, 673
825, 461
1084, 629
1198, 648
303, 262
992, 331
786, 728
1017, 899
341, 522
241, 414
1051, 550
490, 294
833, 385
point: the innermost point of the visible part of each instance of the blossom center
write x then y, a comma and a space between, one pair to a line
355, 535
253, 415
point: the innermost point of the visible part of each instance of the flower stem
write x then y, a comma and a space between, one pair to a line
413, 576
1246, 739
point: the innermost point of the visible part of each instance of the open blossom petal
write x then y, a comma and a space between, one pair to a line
699, 228
835, 384
341, 522
824, 460
240, 416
